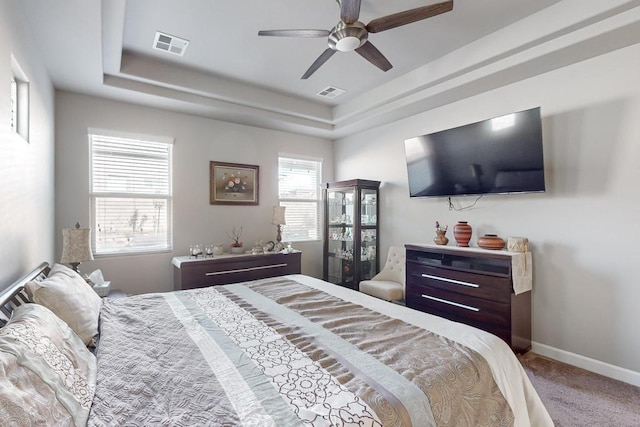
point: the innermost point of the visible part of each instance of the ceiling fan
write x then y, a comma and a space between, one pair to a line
350, 34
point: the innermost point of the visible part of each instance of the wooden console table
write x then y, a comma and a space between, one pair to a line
472, 286
189, 273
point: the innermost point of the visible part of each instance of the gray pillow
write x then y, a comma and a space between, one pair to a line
47, 374
70, 298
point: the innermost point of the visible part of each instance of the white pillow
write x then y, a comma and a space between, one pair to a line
69, 296
47, 376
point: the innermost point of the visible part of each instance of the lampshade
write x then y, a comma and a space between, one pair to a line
278, 215
76, 246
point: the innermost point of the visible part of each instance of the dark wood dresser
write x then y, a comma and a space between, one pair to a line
189, 273
469, 286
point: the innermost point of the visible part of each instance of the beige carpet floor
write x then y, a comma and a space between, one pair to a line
575, 397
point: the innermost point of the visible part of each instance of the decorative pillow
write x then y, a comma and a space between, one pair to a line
69, 296
47, 375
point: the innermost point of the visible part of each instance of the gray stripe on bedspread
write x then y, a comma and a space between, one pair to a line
403, 389
271, 401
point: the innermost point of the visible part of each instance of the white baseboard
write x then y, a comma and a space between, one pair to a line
602, 368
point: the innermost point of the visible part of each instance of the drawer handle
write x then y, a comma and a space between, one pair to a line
457, 282
240, 270
466, 307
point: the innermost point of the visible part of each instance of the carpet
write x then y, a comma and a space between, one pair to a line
576, 397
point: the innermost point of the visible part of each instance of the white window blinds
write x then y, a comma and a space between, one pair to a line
131, 194
299, 191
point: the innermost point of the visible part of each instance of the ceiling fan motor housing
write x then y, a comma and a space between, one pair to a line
348, 37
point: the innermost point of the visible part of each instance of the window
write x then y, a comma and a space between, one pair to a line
14, 104
19, 100
131, 194
299, 191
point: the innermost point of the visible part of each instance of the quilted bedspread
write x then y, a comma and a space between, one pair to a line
277, 352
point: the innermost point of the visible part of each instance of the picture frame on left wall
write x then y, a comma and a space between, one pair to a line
233, 183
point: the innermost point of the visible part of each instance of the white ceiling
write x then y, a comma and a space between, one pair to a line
230, 73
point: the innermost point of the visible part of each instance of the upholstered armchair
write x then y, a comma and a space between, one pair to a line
389, 283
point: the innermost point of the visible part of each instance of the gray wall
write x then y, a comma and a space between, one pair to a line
197, 141
26, 168
583, 231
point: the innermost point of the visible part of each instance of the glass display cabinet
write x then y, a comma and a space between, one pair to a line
351, 231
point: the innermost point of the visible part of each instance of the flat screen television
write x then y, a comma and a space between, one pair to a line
495, 156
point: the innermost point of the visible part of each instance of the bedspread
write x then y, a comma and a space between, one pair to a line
278, 352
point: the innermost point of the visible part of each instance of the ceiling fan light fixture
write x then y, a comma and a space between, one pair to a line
347, 37
348, 44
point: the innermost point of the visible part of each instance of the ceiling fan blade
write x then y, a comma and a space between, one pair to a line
349, 10
318, 62
294, 33
369, 52
408, 16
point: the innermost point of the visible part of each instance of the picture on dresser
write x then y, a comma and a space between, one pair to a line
233, 184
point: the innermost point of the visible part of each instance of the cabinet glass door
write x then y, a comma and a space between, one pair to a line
341, 230
368, 265
368, 233
369, 208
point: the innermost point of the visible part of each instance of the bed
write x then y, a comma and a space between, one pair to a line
284, 351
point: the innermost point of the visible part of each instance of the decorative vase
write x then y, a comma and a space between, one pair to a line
462, 233
440, 238
490, 241
237, 250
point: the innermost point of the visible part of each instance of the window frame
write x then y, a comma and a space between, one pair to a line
20, 112
94, 196
13, 100
317, 201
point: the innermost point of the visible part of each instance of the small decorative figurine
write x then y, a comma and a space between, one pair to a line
440, 238
236, 246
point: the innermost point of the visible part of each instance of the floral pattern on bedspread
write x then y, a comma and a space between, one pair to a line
276, 352
315, 396
457, 381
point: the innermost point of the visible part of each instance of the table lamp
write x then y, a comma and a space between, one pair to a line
76, 246
279, 220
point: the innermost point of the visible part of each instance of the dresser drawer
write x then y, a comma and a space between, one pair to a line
220, 271
471, 284
462, 308
200, 277
487, 321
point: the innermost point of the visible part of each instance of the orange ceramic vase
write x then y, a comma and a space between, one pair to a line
462, 233
490, 241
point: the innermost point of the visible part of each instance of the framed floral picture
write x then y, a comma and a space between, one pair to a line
233, 184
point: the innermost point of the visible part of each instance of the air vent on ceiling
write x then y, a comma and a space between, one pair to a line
330, 92
169, 43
